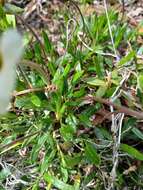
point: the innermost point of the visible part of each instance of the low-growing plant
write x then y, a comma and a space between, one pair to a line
58, 131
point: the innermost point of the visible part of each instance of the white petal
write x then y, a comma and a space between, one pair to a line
11, 49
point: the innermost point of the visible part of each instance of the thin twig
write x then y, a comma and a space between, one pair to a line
48, 88
27, 91
120, 109
118, 120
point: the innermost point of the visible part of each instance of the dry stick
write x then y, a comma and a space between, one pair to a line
18, 140
116, 121
121, 109
48, 88
27, 91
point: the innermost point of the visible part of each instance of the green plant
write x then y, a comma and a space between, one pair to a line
60, 119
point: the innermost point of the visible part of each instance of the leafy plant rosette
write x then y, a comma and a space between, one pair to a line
56, 124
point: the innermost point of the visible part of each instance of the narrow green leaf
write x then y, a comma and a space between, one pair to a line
127, 58
95, 81
84, 119
101, 91
57, 182
35, 151
73, 161
77, 77
79, 93
138, 133
38, 53
36, 101
47, 43
132, 151
35, 187
67, 70
52, 68
99, 66
91, 154
119, 35
140, 81
67, 132
47, 160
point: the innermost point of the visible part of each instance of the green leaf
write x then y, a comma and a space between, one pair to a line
62, 85
67, 132
77, 77
62, 110
23, 102
102, 134
72, 161
132, 151
101, 91
91, 154
95, 82
138, 133
35, 186
79, 93
67, 70
119, 34
38, 53
47, 160
36, 101
58, 183
41, 141
47, 43
84, 119
3, 21
52, 68
99, 66
11, 20
140, 81
127, 58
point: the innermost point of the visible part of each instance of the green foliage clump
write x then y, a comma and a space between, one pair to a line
62, 134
